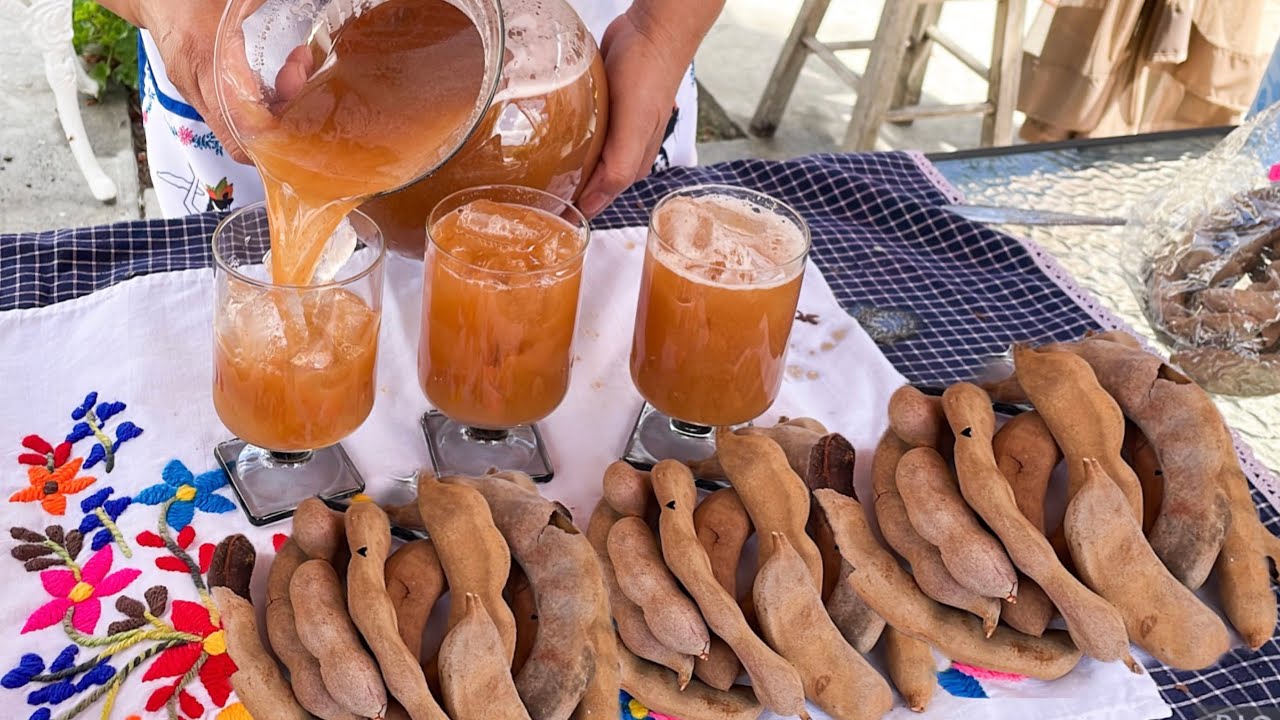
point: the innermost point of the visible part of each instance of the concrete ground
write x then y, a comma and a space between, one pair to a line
41, 187
40, 184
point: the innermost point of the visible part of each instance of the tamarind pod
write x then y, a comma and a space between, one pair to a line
1095, 625
304, 669
917, 419
831, 464
567, 588
1146, 465
1083, 417
926, 564
657, 690
940, 515
1034, 610
319, 532
723, 527
806, 423
911, 668
836, 678
369, 538
525, 611
472, 551
644, 577
1244, 579
257, 680
474, 675
860, 626
627, 490
632, 630
775, 497
795, 437
600, 701
776, 683
415, 581
328, 633
1180, 420
1163, 617
1026, 454
889, 590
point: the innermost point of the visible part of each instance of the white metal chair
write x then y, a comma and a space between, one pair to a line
48, 25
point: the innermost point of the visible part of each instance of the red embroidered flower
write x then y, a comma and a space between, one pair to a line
185, 135
44, 453
81, 596
51, 488
172, 562
176, 662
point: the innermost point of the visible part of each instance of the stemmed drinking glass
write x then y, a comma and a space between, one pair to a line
502, 278
718, 295
294, 366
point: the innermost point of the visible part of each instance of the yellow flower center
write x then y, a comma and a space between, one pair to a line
637, 710
216, 643
186, 493
81, 592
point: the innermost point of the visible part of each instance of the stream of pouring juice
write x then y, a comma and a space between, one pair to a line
294, 366
394, 95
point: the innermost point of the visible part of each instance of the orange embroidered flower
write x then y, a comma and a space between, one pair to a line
51, 487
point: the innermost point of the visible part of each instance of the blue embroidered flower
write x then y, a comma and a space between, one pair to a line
28, 667
101, 513
960, 685
91, 422
187, 493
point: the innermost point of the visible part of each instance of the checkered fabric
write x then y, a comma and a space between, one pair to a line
941, 294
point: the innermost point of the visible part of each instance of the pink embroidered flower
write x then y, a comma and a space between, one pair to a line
1274, 173
185, 135
81, 597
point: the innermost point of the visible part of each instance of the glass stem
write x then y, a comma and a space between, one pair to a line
692, 430
488, 436
289, 458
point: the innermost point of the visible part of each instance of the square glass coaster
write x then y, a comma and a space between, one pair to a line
271, 485
456, 449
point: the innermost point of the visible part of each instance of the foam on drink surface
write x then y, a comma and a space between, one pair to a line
727, 241
508, 238
548, 48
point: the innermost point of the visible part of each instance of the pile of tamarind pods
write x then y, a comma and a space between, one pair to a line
662, 595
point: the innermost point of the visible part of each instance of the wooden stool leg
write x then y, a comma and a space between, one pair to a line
875, 92
1006, 70
916, 62
787, 70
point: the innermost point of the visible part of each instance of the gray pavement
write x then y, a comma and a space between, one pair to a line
40, 185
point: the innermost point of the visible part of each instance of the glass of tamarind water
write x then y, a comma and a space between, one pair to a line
501, 283
335, 101
718, 293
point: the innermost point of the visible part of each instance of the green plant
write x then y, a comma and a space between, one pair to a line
107, 43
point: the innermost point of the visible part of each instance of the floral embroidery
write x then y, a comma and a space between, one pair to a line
101, 512
177, 646
183, 493
207, 141
45, 454
51, 487
633, 709
185, 135
171, 562
91, 421
967, 681
77, 593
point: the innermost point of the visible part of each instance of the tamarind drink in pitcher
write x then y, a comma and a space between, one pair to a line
364, 106
544, 128
718, 294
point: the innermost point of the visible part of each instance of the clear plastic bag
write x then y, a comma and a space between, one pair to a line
1208, 271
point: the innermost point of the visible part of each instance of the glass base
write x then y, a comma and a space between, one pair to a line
460, 450
270, 485
656, 437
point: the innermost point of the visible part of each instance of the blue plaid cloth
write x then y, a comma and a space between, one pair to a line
941, 294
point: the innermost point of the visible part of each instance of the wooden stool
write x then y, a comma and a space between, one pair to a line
890, 88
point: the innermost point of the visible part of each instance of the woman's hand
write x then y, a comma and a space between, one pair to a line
647, 52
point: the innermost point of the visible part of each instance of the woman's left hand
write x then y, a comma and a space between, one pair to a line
645, 63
